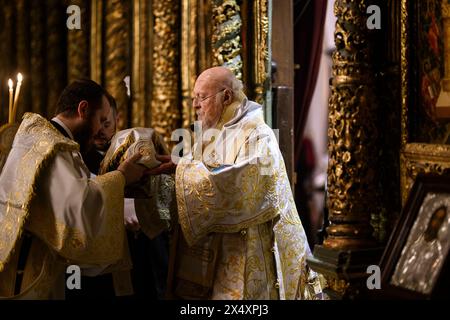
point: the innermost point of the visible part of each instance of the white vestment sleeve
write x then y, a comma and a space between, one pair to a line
79, 217
232, 197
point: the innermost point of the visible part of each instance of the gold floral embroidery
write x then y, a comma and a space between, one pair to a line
47, 142
113, 158
264, 248
73, 244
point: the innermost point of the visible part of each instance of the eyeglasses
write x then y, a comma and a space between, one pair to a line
200, 100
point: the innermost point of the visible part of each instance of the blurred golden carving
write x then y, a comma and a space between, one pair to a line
189, 57
78, 46
352, 132
336, 285
261, 76
141, 61
96, 40
422, 158
165, 103
116, 55
404, 49
226, 38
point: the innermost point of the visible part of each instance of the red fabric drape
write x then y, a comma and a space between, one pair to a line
308, 38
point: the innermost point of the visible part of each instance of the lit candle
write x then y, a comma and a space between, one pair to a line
16, 96
11, 86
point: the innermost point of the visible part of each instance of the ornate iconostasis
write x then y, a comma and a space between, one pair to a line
146, 53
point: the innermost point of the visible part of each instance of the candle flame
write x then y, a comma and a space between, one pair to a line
10, 84
19, 77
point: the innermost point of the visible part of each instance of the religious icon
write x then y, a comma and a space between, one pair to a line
431, 56
427, 246
426, 71
415, 262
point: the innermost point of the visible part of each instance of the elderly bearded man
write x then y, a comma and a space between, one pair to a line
241, 236
52, 213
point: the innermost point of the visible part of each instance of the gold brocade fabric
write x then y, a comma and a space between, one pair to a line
43, 277
47, 141
238, 218
124, 143
76, 244
154, 196
45, 189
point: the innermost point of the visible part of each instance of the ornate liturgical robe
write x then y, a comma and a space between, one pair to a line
52, 214
241, 234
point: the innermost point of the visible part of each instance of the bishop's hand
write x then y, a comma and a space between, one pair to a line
131, 170
166, 167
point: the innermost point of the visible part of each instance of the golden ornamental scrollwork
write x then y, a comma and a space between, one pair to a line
261, 76
338, 286
226, 38
116, 55
352, 133
445, 9
422, 158
165, 108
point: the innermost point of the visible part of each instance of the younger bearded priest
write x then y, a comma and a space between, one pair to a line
52, 214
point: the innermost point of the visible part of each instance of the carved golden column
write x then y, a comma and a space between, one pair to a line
165, 101
352, 132
141, 65
205, 31
56, 54
189, 57
96, 44
38, 71
353, 149
226, 38
261, 74
78, 45
116, 55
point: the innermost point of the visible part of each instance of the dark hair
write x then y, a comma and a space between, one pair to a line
77, 91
